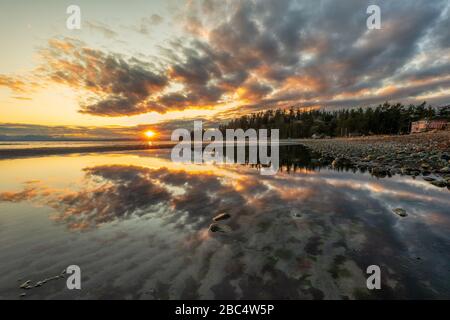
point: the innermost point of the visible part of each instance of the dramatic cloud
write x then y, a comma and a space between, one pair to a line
11, 131
263, 54
148, 23
15, 84
102, 28
120, 86
324, 55
164, 129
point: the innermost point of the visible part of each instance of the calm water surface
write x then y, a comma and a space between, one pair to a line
137, 225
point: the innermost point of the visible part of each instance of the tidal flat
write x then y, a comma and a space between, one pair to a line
139, 227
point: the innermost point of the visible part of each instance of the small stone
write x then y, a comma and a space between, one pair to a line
429, 179
23, 295
214, 227
341, 162
25, 284
439, 183
400, 212
445, 170
222, 216
425, 165
379, 172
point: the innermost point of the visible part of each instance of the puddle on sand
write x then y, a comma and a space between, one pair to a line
137, 225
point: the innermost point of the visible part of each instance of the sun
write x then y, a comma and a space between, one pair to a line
149, 133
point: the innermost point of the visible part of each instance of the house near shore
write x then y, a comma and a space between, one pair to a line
428, 125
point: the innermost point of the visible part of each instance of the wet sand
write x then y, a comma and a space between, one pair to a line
138, 225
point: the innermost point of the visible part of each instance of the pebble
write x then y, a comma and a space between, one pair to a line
400, 212
413, 155
222, 216
439, 183
25, 285
215, 227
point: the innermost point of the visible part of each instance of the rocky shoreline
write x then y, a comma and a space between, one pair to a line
425, 155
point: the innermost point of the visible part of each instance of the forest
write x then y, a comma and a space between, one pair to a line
294, 123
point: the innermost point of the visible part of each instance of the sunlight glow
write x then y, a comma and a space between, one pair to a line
149, 133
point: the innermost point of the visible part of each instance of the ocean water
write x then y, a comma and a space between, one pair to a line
13, 145
137, 225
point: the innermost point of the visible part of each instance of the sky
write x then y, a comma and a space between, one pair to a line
142, 64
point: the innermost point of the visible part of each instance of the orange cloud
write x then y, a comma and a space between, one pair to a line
14, 84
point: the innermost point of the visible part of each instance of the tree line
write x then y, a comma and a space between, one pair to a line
296, 123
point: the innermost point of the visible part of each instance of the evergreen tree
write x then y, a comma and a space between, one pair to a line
295, 123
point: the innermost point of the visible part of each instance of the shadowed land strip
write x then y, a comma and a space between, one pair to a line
34, 152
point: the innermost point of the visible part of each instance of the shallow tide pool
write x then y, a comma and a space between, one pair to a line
137, 226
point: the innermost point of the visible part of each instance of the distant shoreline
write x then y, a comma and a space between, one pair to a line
47, 151
335, 146
17, 153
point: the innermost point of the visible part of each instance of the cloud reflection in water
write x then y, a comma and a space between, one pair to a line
303, 234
